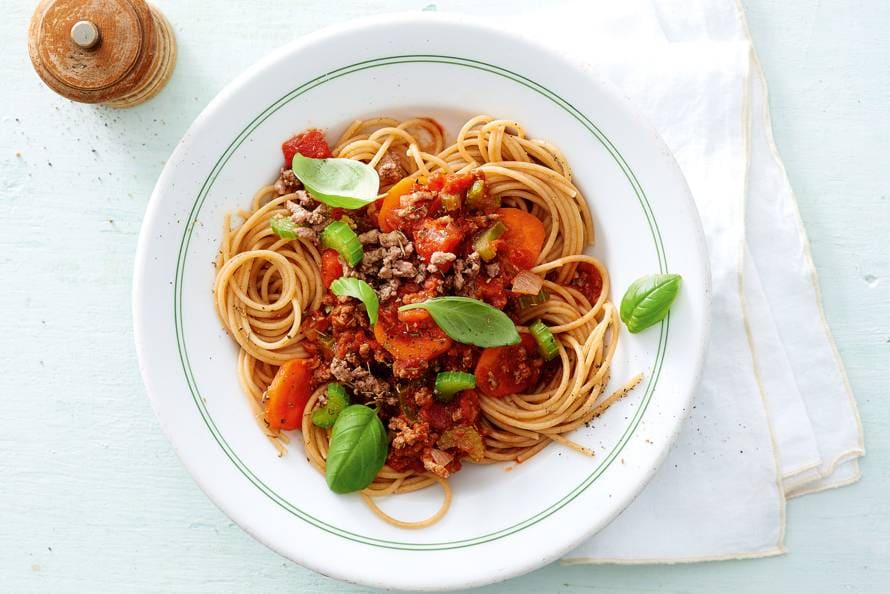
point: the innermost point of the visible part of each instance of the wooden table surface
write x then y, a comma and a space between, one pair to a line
92, 497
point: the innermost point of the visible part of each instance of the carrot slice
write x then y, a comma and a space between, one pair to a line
521, 243
506, 370
413, 315
417, 341
387, 219
287, 395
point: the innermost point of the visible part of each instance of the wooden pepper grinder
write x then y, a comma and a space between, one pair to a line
116, 52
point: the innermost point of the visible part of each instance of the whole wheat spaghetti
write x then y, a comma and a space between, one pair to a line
271, 296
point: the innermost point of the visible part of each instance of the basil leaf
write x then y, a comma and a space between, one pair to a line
357, 451
340, 183
470, 321
338, 399
648, 300
353, 287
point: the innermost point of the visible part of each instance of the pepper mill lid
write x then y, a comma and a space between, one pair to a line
117, 52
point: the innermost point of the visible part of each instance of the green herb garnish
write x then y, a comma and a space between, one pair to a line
359, 289
340, 183
338, 400
648, 300
357, 451
469, 321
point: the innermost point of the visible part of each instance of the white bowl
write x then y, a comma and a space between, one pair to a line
501, 523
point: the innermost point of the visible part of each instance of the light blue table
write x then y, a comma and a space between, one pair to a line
92, 497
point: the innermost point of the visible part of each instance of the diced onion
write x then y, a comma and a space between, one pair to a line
441, 458
527, 283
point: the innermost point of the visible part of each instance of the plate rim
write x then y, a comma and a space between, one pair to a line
294, 47
293, 508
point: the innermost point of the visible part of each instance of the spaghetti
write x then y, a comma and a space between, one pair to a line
270, 293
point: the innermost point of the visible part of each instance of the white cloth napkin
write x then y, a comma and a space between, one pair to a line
779, 263
780, 286
774, 416
719, 492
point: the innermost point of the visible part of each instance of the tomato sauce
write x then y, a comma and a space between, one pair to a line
406, 350
589, 281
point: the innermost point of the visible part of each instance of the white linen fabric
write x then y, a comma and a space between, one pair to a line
719, 493
774, 416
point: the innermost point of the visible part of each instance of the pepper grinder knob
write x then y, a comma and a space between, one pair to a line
85, 34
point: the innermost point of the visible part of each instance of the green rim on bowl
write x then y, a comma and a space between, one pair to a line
653, 374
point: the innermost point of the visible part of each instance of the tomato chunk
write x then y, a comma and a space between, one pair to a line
437, 235
287, 395
331, 269
437, 415
434, 183
387, 219
309, 143
506, 370
422, 340
588, 280
469, 406
458, 183
521, 243
492, 290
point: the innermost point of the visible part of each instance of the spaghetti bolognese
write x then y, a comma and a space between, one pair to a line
457, 304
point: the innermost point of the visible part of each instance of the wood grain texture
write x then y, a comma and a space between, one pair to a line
93, 498
130, 62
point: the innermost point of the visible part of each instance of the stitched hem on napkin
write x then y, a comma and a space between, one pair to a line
808, 258
779, 550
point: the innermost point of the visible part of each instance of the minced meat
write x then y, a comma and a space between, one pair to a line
362, 381
465, 270
390, 169
439, 261
287, 182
